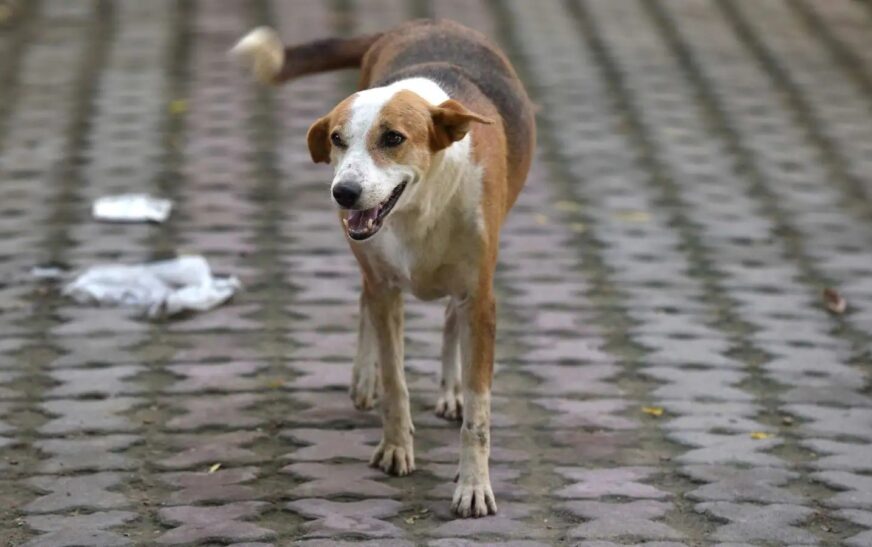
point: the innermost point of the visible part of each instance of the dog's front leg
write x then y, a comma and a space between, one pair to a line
364, 373
395, 453
473, 496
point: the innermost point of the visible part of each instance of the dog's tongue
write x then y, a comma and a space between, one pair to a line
358, 220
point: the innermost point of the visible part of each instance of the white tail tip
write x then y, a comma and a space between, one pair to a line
262, 51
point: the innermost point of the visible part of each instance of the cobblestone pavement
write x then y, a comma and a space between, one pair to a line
704, 172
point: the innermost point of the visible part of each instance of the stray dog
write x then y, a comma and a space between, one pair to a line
428, 158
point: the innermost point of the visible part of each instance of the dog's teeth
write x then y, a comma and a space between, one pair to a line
369, 224
345, 223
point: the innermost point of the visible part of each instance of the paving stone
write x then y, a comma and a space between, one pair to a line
857, 489
619, 481
723, 483
326, 407
324, 444
70, 531
104, 381
734, 417
338, 518
229, 411
769, 523
508, 522
599, 414
234, 376
90, 492
453, 542
206, 449
682, 383
614, 520
576, 380
223, 523
222, 485
352, 479
839, 455
319, 375
834, 422
93, 453
721, 449
862, 518
100, 415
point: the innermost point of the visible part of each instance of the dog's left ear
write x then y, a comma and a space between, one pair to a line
319, 144
451, 123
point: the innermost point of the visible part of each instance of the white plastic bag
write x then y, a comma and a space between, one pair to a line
160, 288
131, 208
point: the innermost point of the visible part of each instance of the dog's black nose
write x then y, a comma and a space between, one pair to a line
347, 192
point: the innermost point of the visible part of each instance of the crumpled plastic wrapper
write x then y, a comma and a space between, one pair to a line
131, 208
157, 289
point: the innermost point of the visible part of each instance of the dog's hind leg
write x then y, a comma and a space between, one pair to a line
364, 373
395, 453
450, 402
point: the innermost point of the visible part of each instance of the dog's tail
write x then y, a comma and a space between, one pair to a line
272, 63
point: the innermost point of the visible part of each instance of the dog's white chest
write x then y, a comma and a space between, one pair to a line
392, 260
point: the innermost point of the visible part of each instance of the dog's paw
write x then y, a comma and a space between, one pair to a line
473, 500
363, 390
394, 459
450, 406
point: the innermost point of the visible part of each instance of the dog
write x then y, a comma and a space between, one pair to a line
429, 156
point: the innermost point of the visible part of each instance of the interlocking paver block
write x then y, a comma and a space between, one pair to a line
233, 376
102, 415
619, 481
834, 422
720, 449
206, 449
325, 444
223, 523
83, 491
105, 381
861, 518
508, 522
72, 531
95, 453
614, 520
598, 414
840, 455
682, 383
575, 380
229, 411
723, 483
734, 417
337, 518
752, 522
857, 489
211, 486
354, 479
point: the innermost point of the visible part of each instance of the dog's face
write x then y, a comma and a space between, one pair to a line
380, 141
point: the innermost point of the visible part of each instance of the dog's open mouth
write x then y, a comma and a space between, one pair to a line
364, 224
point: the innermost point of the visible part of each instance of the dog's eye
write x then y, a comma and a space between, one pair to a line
336, 139
392, 139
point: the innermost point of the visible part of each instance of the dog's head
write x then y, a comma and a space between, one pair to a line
380, 141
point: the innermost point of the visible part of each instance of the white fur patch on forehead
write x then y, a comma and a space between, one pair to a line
368, 103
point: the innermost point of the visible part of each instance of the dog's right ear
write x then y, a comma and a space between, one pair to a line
319, 143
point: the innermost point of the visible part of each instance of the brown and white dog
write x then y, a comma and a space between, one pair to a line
428, 156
